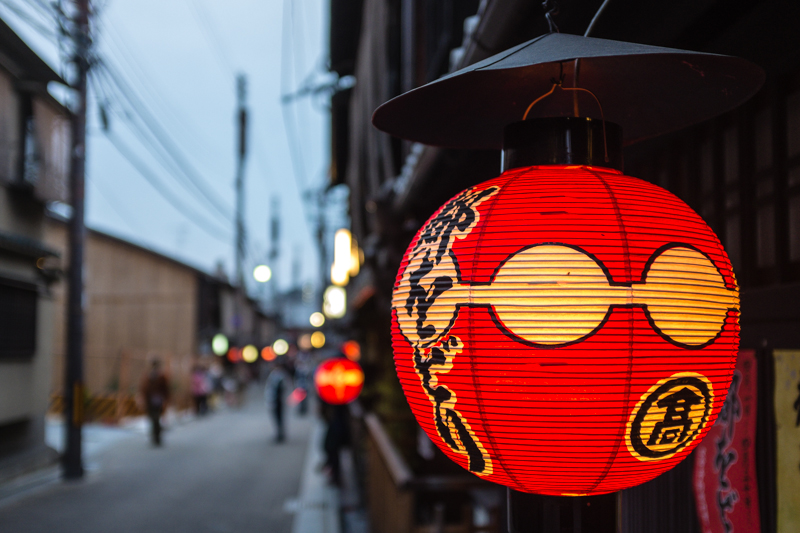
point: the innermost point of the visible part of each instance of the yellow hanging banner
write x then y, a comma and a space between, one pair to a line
787, 422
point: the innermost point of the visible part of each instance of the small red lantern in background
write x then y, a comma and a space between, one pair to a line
234, 354
565, 330
351, 350
339, 381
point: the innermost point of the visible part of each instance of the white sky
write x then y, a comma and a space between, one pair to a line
181, 58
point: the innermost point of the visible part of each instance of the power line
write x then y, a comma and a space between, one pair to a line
211, 36
140, 166
23, 15
164, 191
140, 77
156, 149
189, 177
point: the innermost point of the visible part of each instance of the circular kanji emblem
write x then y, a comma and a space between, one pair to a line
669, 416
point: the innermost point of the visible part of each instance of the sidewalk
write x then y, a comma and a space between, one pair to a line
317, 505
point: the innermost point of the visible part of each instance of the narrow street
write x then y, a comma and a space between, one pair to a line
217, 474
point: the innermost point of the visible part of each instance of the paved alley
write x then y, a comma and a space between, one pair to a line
222, 473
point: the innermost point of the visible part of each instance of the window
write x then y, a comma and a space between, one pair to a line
17, 319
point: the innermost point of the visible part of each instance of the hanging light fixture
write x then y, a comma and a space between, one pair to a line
566, 329
339, 381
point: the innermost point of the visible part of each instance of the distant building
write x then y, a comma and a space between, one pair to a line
34, 164
141, 305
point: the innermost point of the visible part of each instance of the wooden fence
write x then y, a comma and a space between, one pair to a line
401, 502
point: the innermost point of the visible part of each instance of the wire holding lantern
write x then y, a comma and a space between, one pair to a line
559, 84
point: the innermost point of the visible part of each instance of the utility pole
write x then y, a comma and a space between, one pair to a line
275, 246
241, 92
73, 375
324, 265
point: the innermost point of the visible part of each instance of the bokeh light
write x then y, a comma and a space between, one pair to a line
304, 342
262, 273
335, 302
268, 354
317, 339
250, 353
219, 344
317, 319
351, 350
280, 347
234, 355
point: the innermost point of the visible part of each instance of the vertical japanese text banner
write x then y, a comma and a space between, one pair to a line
787, 427
725, 483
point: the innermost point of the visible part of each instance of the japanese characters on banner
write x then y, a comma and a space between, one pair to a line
787, 424
725, 484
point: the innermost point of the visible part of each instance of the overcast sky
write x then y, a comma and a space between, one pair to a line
178, 61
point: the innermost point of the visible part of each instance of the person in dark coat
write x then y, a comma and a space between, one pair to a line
155, 391
274, 394
337, 436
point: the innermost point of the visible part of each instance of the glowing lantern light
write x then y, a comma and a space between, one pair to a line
280, 347
234, 355
317, 319
268, 354
351, 350
334, 302
317, 339
565, 330
339, 381
250, 354
219, 344
347, 258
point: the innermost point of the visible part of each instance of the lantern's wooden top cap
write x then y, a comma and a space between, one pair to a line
648, 90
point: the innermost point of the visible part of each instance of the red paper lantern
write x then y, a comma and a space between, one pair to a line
565, 330
339, 381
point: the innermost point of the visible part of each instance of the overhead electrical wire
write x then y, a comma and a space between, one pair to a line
164, 191
142, 83
211, 37
26, 17
188, 176
145, 127
171, 197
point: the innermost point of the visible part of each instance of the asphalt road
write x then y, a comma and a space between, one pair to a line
222, 473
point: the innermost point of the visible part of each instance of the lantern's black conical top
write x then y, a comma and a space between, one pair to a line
647, 90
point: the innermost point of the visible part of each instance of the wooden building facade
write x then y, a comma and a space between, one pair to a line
141, 305
34, 148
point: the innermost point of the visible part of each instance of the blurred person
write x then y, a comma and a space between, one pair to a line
155, 393
303, 378
337, 436
274, 393
201, 388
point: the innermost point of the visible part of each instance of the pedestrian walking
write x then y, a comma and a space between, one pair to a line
274, 393
201, 388
155, 392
